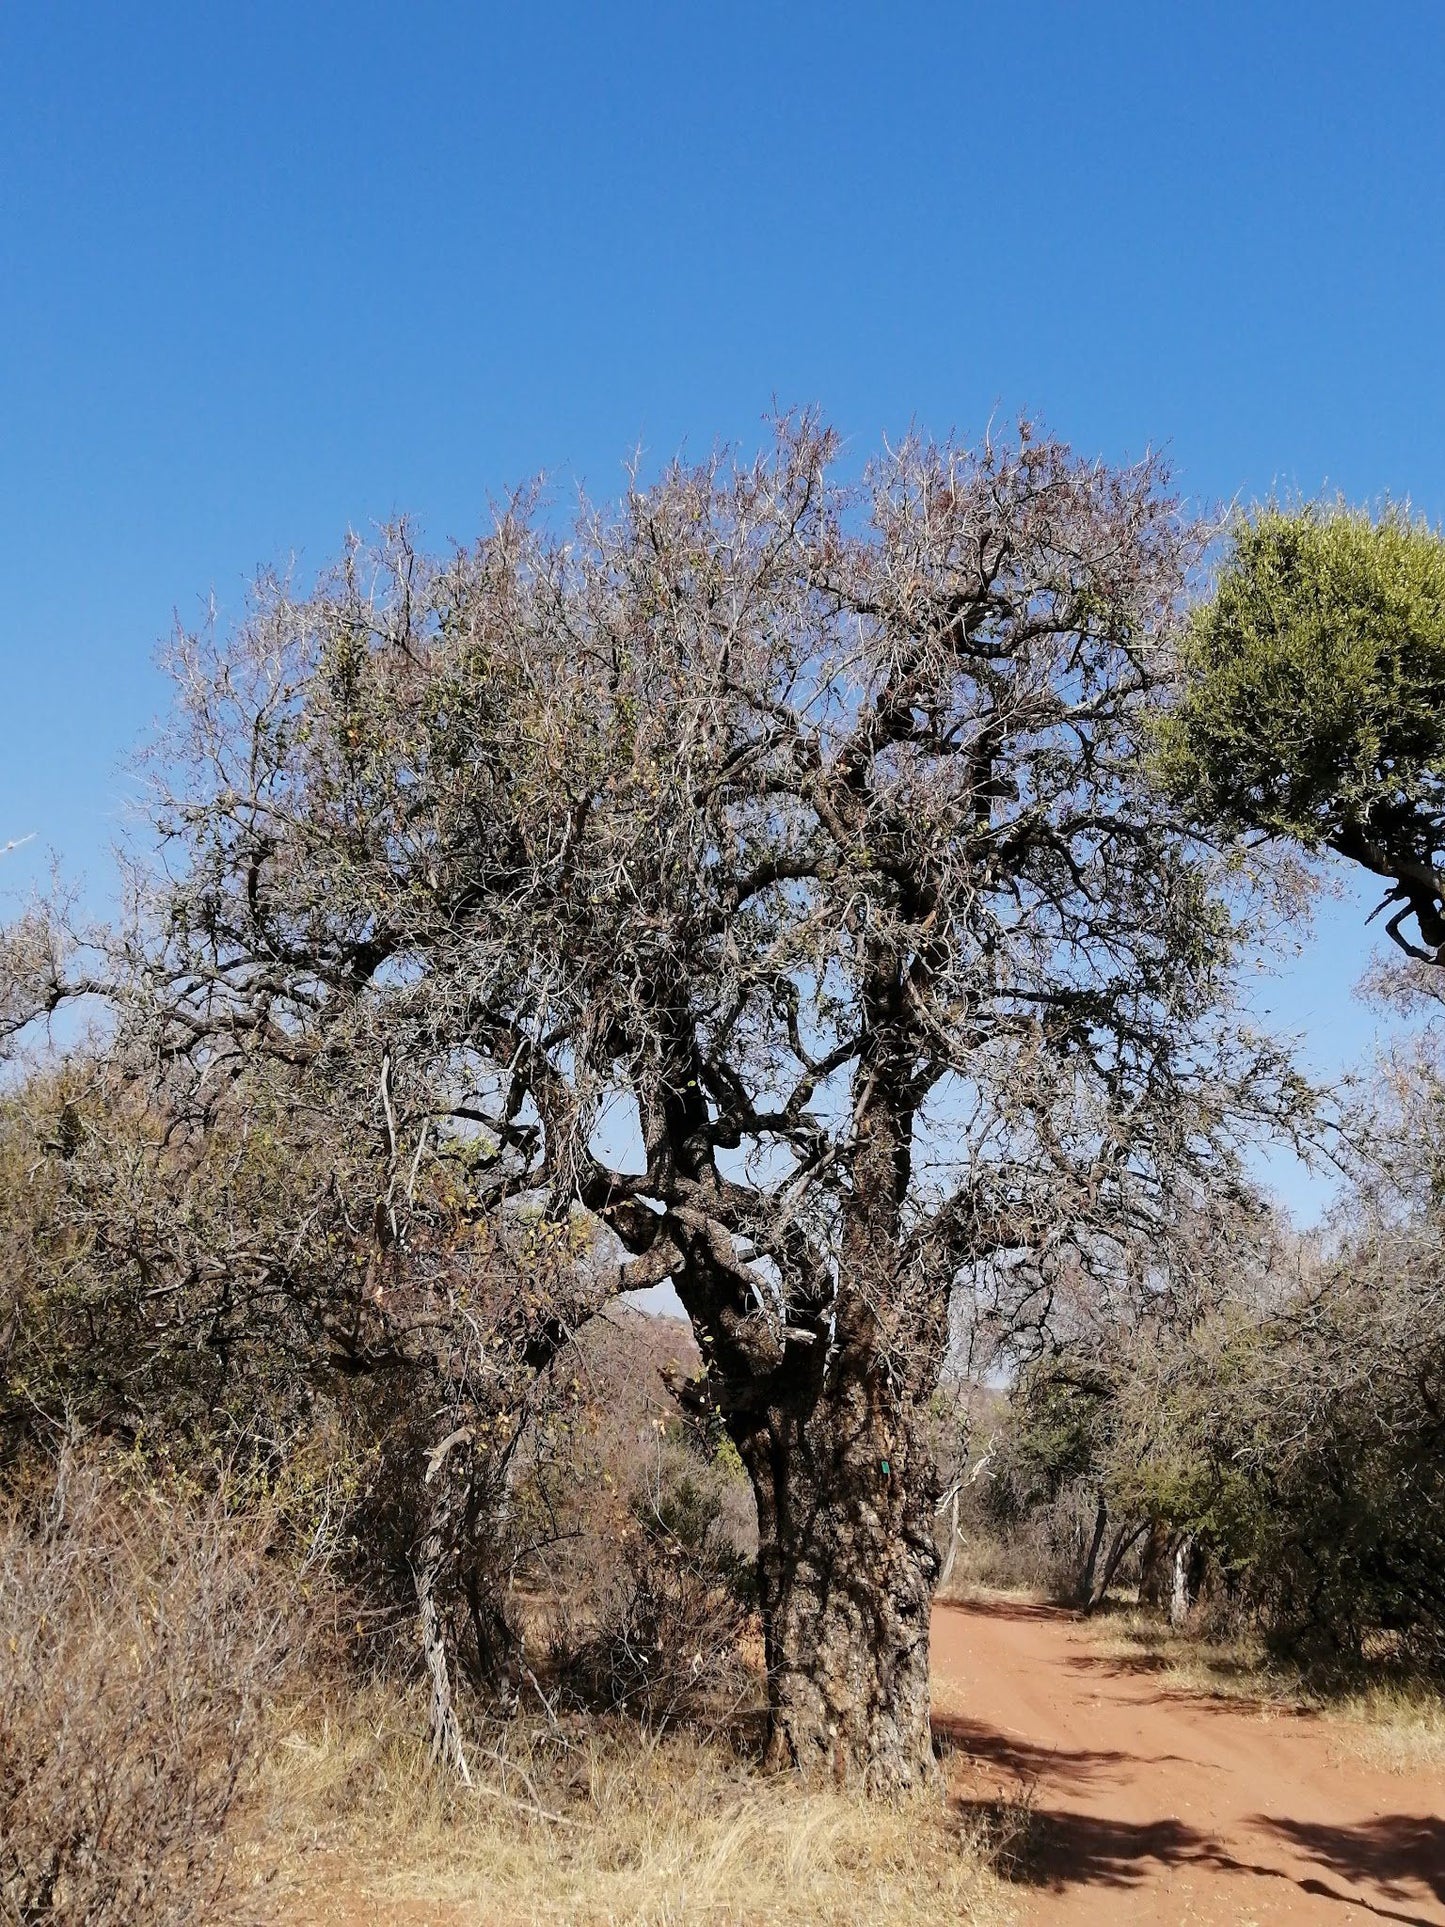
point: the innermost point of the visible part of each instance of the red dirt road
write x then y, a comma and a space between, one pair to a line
1152, 1804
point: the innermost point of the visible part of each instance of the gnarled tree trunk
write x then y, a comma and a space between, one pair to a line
846, 1567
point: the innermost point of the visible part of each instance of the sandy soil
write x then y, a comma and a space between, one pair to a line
1153, 1804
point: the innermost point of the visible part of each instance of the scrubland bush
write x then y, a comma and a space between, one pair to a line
667, 1623
473, 1445
1268, 1454
142, 1638
1035, 1515
1042, 1548
213, 1285
1305, 1453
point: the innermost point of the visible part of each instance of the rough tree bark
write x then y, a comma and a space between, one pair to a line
846, 1571
825, 1418
446, 1734
845, 1482
1153, 1564
846, 1486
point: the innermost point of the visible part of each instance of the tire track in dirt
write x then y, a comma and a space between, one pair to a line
1153, 1804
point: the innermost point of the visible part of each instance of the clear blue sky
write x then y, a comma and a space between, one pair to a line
267, 270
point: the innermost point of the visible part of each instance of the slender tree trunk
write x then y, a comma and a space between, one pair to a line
446, 1733
847, 1565
952, 1554
1181, 1596
1084, 1592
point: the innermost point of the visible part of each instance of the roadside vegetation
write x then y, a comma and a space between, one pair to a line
1384, 1716
626, 1826
1268, 1467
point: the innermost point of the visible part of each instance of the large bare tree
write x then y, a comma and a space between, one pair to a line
767, 869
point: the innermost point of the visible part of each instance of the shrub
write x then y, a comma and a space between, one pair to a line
666, 1639
141, 1637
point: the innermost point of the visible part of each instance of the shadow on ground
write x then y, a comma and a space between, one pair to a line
1058, 1851
1396, 1849
1012, 1754
1006, 1606
1400, 1858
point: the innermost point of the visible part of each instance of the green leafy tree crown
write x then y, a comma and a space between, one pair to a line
1314, 696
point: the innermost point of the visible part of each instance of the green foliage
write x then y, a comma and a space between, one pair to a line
1059, 1417
120, 1315
1317, 668
1314, 699
728, 1461
1299, 1448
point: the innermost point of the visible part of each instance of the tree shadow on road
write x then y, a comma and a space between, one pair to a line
1398, 1858
1008, 1606
1395, 1852
1056, 1850
1047, 1847
1010, 1753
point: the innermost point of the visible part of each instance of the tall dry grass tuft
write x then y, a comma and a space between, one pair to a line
596, 1821
140, 1640
1397, 1726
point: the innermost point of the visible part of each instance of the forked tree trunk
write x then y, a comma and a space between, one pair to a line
1125, 1538
1084, 1590
846, 1565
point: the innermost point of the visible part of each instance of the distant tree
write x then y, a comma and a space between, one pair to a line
1295, 1436
1284, 1433
770, 872
1314, 705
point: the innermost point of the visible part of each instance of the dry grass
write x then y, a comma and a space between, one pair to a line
1399, 1726
176, 1744
1226, 1668
591, 1824
1393, 1722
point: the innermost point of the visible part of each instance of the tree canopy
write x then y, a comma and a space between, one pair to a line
1314, 706
770, 872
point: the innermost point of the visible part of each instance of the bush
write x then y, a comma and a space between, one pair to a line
141, 1638
666, 1640
1339, 1538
